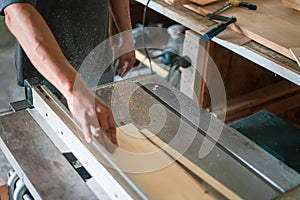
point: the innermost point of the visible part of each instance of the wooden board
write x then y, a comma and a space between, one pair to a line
191, 166
277, 98
157, 174
177, 2
183, 2
203, 2
272, 24
261, 96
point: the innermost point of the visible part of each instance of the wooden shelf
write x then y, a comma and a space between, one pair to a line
276, 98
256, 52
157, 66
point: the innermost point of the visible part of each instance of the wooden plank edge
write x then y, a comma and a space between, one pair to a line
203, 2
243, 31
260, 96
268, 43
291, 4
191, 166
155, 181
276, 106
296, 53
155, 66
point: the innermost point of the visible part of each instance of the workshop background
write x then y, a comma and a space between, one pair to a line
262, 104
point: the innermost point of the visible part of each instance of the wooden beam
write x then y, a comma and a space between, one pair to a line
177, 2
191, 166
203, 2
260, 96
156, 67
277, 98
3, 189
157, 174
294, 4
184, 2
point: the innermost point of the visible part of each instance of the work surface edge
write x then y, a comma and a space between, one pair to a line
39, 164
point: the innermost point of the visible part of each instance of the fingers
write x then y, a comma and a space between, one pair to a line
107, 124
102, 117
95, 131
87, 133
90, 126
126, 62
100, 124
113, 130
122, 68
93, 116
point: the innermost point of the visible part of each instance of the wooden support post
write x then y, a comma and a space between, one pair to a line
3, 189
191, 79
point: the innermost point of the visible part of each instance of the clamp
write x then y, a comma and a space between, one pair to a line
219, 28
214, 16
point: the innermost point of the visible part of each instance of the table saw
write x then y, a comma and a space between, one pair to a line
222, 166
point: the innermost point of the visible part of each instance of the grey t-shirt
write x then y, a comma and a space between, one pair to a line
78, 26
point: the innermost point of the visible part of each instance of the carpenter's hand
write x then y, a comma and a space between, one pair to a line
93, 115
126, 62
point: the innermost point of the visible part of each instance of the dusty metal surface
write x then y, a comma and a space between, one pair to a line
150, 103
43, 169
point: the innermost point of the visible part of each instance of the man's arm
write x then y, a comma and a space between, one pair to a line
39, 44
121, 12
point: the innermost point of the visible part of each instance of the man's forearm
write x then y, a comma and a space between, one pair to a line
38, 42
121, 11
